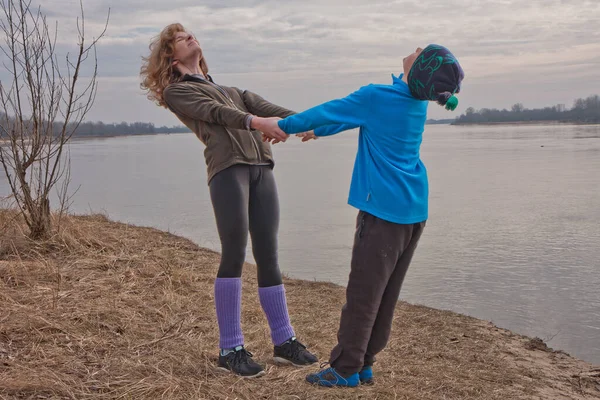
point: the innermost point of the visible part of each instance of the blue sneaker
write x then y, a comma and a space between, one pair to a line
330, 378
366, 375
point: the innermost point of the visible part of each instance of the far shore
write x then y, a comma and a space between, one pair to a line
510, 123
524, 123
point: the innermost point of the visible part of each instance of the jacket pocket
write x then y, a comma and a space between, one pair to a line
201, 132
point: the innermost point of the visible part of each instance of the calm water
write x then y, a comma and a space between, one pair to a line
513, 234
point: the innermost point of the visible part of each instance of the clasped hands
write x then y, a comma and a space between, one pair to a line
273, 134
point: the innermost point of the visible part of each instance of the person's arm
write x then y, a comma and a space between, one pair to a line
191, 104
329, 130
261, 107
345, 113
326, 130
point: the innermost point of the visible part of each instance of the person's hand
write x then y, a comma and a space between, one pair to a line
266, 138
269, 128
306, 136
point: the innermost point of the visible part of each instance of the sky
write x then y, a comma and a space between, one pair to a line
301, 53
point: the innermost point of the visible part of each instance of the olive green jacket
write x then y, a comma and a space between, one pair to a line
219, 116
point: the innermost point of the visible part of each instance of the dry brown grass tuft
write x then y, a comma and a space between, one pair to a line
106, 310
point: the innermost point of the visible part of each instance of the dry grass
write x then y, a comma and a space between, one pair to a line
111, 311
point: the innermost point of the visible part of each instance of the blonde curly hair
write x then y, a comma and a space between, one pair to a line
157, 70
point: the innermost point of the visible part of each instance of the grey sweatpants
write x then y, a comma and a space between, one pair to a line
381, 256
244, 199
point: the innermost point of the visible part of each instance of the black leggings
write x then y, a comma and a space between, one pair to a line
244, 198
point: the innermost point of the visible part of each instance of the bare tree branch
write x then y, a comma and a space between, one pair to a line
32, 142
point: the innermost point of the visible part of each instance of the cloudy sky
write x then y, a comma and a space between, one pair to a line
303, 52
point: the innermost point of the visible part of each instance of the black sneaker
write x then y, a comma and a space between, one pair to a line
293, 353
240, 362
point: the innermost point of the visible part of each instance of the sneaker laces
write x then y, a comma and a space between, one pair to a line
241, 356
296, 348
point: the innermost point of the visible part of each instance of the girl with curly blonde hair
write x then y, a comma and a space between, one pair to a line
240, 164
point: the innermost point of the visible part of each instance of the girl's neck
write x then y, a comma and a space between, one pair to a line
190, 68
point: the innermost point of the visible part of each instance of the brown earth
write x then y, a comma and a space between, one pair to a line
106, 310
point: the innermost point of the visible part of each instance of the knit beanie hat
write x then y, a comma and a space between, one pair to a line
436, 75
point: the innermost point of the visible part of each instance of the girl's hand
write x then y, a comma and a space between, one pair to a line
269, 128
306, 136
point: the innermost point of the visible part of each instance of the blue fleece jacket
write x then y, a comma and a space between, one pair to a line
389, 178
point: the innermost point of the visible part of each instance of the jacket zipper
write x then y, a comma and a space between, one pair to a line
219, 88
231, 100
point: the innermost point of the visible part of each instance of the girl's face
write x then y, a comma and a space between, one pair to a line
186, 46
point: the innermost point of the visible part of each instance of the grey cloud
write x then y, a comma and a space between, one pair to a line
348, 40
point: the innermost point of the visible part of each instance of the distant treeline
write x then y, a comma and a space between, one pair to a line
583, 111
439, 121
101, 128
124, 128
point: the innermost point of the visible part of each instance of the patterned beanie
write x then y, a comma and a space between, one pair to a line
436, 75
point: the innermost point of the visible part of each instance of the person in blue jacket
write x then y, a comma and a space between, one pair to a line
389, 187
